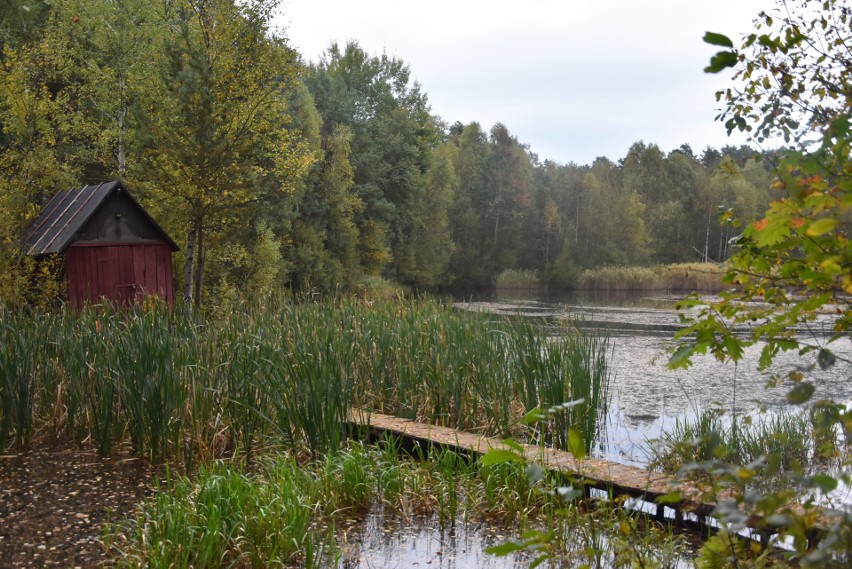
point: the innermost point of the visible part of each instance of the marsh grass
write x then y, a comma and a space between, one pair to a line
786, 441
284, 511
565, 367
678, 277
514, 279
178, 386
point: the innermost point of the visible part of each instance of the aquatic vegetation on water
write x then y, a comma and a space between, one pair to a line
793, 440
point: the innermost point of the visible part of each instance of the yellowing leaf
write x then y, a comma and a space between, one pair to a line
831, 265
821, 226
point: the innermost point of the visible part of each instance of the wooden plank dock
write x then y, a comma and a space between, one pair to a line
611, 479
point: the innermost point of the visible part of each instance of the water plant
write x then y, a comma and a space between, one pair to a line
283, 511
180, 385
781, 442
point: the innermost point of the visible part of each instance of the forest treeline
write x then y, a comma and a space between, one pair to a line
270, 170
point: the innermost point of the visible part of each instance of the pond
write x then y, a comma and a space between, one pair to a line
386, 541
647, 397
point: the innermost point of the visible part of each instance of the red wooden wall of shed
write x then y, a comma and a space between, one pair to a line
120, 272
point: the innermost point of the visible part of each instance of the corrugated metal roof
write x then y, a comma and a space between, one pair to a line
67, 212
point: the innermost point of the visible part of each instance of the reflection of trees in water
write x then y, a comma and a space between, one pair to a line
386, 540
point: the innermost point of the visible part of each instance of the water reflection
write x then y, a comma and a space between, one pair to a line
647, 396
388, 542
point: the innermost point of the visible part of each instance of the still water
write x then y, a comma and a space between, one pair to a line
388, 542
646, 396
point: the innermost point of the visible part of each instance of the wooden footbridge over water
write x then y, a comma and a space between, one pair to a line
599, 478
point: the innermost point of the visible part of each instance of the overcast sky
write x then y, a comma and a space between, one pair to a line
572, 79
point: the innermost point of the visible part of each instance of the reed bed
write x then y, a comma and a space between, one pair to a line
172, 385
790, 441
514, 279
679, 277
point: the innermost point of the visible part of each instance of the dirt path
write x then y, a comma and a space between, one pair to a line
53, 505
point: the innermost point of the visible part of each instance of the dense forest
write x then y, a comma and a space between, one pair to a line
270, 170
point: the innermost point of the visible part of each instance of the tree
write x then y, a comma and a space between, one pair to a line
794, 79
467, 223
509, 202
796, 258
393, 135
325, 238
220, 136
36, 149
21, 22
106, 52
433, 245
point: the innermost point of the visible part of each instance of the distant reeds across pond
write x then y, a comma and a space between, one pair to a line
170, 385
679, 277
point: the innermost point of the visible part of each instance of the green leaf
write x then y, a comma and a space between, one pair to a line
575, 443
681, 358
720, 61
505, 549
767, 41
767, 354
536, 415
514, 445
825, 482
826, 359
733, 346
718, 39
499, 456
670, 498
801, 393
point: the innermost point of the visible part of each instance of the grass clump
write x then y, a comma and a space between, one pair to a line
678, 277
783, 441
514, 279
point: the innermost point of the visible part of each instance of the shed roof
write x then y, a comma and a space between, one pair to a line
67, 212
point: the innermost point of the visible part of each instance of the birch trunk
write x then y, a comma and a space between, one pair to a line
199, 267
187, 265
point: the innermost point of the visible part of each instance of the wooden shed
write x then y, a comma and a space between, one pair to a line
113, 249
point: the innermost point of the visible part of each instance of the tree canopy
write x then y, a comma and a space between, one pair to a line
321, 175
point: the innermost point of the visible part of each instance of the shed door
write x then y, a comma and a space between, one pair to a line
121, 273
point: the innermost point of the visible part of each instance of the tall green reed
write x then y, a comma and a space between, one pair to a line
568, 366
179, 384
17, 380
151, 390
310, 388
